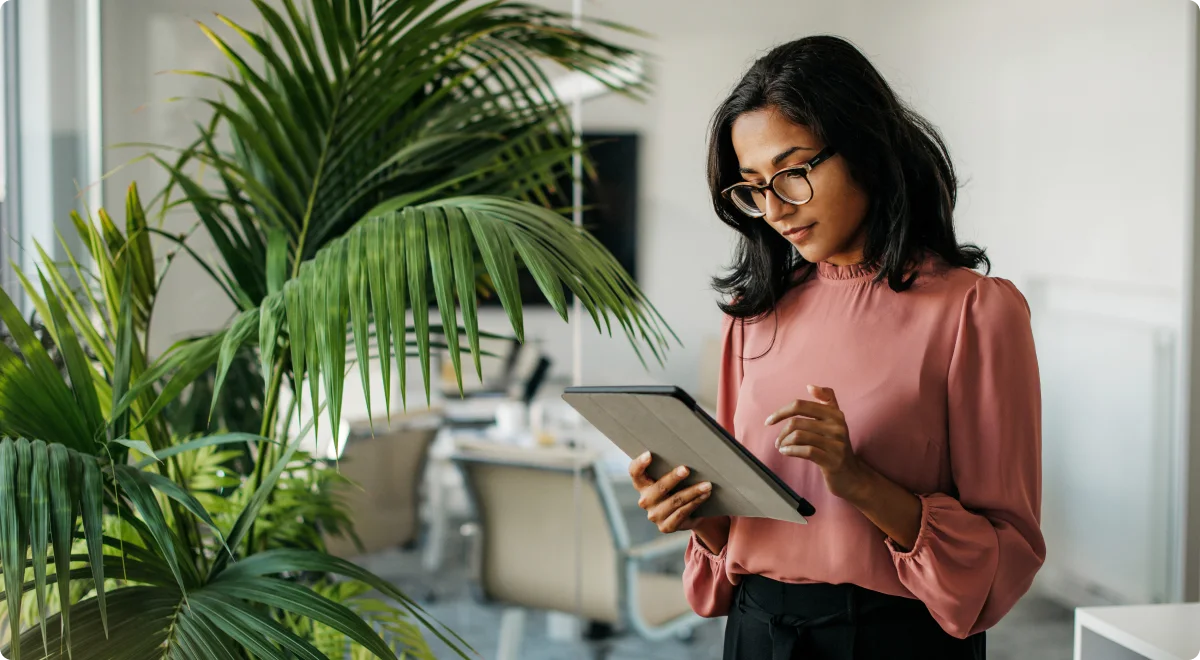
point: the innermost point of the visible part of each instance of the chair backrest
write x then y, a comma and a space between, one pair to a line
534, 544
386, 470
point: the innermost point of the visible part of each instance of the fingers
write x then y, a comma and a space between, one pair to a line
825, 395
832, 430
637, 471
822, 457
682, 517
659, 490
811, 409
800, 438
667, 509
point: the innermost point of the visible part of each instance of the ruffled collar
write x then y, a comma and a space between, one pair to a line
828, 271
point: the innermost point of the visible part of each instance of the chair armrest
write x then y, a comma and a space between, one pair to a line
670, 544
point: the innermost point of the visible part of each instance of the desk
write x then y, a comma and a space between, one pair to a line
1138, 632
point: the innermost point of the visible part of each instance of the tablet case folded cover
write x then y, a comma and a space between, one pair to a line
667, 422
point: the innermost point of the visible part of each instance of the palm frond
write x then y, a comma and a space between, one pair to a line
43, 490
428, 247
358, 102
141, 616
34, 399
274, 562
395, 624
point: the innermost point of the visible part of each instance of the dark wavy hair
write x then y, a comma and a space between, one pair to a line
899, 159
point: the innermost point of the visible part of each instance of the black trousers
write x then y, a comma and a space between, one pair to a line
772, 620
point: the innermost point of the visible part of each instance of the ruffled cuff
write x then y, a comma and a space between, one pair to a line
929, 505
705, 582
697, 550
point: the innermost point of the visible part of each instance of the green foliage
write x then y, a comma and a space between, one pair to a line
386, 157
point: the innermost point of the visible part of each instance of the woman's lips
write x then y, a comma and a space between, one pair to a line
798, 233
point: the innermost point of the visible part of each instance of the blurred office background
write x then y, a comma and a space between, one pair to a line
1073, 127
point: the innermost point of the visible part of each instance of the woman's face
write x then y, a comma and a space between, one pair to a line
830, 226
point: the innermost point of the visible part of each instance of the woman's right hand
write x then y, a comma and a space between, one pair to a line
672, 511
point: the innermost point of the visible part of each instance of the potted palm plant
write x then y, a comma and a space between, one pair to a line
385, 158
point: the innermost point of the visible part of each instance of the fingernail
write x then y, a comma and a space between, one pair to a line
644, 457
705, 487
769, 419
682, 471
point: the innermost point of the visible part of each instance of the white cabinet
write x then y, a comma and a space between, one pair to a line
1138, 632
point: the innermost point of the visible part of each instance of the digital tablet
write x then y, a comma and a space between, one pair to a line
668, 423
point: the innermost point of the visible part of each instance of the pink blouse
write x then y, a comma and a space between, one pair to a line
939, 386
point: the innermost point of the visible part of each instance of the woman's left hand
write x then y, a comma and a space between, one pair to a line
816, 431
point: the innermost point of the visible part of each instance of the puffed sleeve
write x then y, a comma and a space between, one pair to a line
705, 582
978, 549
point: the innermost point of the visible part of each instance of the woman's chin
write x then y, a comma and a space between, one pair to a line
811, 253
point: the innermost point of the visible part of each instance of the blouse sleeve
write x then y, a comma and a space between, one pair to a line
978, 549
705, 582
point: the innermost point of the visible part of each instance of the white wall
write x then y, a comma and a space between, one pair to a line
1071, 123
143, 41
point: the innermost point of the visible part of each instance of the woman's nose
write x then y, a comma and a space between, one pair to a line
775, 208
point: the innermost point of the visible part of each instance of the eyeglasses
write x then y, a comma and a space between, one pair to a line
790, 185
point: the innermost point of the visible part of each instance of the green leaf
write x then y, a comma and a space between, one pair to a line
357, 268
443, 284
93, 528
82, 320
12, 550
498, 257
375, 268
177, 493
392, 244
417, 256
331, 331
210, 642
137, 488
277, 259
145, 615
39, 526
207, 441
62, 528
78, 366
44, 386
464, 279
187, 360
141, 251
270, 322
281, 561
248, 515
243, 327
297, 322
293, 598
253, 630
139, 445
119, 428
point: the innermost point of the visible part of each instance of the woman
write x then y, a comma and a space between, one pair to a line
899, 388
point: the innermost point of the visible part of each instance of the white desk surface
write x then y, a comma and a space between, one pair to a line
1159, 632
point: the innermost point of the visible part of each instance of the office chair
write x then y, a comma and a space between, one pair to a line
527, 556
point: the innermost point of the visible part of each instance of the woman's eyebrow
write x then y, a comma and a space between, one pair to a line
779, 158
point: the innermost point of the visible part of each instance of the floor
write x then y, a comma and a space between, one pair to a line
1036, 629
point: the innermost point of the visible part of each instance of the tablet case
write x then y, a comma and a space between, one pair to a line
667, 422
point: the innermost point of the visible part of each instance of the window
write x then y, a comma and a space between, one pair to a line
49, 98
10, 230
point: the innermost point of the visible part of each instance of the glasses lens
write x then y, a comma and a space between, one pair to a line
793, 187
747, 199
